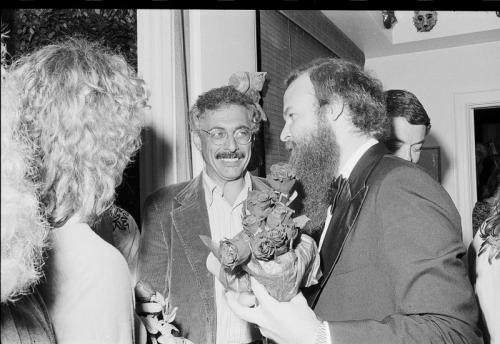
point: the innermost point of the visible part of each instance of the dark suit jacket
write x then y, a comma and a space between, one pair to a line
173, 258
395, 274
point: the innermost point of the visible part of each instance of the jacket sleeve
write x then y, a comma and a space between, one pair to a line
154, 252
422, 250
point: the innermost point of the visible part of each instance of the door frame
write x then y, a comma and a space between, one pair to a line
465, 154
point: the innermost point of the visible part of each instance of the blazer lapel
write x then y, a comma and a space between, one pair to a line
345, 213
190, 220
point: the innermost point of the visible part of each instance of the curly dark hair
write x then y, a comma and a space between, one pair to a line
217, 98
362, 93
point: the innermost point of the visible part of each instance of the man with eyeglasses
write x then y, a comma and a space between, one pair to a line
410, 124
172, 258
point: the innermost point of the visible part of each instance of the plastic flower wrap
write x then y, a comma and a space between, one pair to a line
270, 247
153, 310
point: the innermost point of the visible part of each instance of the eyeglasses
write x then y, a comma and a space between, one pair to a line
242, 136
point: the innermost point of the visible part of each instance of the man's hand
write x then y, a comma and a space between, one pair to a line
290, 322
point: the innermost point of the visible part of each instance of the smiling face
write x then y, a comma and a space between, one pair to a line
411, 138
229, 160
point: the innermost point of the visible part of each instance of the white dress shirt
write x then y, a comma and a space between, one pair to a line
225, 222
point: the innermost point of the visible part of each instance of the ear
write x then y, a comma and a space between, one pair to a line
197, 140
334, 110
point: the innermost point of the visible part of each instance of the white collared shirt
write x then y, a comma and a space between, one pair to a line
225, 222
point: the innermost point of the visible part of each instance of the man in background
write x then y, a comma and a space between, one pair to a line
410, 124
172, 257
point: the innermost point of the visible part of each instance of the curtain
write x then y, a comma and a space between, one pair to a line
165, 157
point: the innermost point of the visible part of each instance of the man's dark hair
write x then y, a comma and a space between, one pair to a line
362, 93
218, 98
401, 103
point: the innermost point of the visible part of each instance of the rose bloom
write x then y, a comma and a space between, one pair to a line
278, 236
251, 223
278, 215
259, 202
282, 177
234, 252
262, 246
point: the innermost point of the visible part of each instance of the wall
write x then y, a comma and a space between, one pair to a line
220, 42
436, 77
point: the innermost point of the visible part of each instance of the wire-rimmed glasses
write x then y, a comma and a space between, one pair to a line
242, 136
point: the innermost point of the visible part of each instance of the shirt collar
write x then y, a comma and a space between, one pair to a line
347, 168
210, 188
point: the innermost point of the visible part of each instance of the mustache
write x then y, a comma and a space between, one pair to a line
230, 155
290, 145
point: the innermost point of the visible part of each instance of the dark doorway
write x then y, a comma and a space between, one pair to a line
487, 139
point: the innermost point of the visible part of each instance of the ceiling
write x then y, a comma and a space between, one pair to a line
453, 28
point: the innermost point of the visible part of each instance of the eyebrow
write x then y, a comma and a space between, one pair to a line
239, 127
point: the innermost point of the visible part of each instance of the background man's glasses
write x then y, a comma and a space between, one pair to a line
242, 136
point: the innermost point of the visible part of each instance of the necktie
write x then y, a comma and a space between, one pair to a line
337, 186
339, 203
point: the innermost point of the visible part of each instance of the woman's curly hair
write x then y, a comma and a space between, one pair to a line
84, 108
24, 229
362, 93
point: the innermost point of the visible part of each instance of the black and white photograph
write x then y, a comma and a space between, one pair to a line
239, 175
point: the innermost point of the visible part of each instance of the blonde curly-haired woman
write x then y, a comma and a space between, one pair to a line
83, 106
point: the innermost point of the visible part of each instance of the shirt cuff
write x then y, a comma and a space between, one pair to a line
323, 335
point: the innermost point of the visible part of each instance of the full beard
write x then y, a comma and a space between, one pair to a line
315, 160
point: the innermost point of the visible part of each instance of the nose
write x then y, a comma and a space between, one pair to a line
285, 133
230, 143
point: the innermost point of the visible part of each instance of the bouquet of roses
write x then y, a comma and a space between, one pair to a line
271, 247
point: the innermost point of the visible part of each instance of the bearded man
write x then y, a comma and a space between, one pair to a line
24, 317
391, 245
